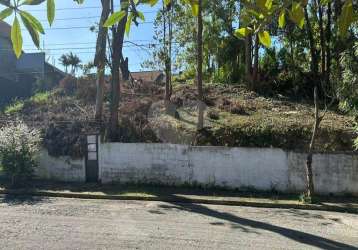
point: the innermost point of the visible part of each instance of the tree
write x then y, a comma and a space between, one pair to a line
65, 62
100, 58
74, 61
199, 66
262, 13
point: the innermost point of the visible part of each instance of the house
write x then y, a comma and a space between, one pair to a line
157, 77
28, 69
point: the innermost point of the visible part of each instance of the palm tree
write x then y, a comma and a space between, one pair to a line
64, 60
74, 61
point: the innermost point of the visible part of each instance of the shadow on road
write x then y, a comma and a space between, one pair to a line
13, 200
302, 237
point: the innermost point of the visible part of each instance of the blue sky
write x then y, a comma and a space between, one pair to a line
70, 32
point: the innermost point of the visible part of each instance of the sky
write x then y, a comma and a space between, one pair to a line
70, 32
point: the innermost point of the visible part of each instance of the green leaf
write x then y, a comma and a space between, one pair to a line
51, 11
33, 2
129, 24
195, 8
141, 15
297, 14
264, 5
33, 21
243, 32
16, 37
281, 19
32, 31
346, 18
116, 17
264, 38
150, 2
5, 13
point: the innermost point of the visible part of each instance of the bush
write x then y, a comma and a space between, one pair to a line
18, 147
86, 89
68, 84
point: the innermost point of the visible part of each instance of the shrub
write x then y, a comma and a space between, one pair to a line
18, 147
68, 84
86, 89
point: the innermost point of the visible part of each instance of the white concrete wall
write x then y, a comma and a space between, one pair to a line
333, 173
60, 168
148, 163
254, 168
244, 168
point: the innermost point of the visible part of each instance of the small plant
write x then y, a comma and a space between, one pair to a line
304, 198
19, 145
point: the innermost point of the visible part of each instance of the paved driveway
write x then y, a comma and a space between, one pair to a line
57, 223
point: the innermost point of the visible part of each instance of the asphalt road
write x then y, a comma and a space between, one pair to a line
57, 223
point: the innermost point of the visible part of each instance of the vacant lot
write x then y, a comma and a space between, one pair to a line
233, 117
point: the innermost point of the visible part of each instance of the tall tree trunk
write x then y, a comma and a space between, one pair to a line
166, 61
322, 39
117, 46
337, 45
313, 51
248, 59
328, 44
309, 169
170, 22
200, 66
255, 71
100, 58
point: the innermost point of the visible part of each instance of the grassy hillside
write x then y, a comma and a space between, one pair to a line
234, 116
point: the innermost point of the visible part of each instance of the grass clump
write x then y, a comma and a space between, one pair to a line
40, 98
15, 107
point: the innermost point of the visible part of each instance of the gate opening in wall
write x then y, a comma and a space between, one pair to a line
92, 168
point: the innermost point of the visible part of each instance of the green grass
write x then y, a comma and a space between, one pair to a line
40, 98
15, 107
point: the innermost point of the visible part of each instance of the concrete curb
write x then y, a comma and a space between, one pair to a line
261, 204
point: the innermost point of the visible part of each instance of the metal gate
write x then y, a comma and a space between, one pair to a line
92, 158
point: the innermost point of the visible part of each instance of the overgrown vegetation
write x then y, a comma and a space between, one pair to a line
18, 148
234, 116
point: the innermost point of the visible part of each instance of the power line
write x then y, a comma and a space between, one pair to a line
80, 27
132, 44
71, 43
83, 8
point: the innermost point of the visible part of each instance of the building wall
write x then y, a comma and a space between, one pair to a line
32, 63
8, 59
263, 169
